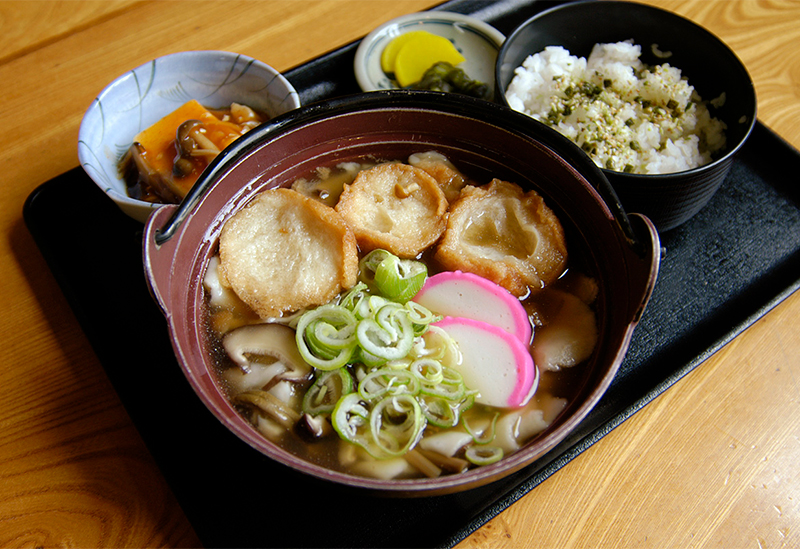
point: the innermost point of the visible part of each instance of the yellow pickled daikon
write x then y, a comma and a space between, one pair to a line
389, 53
411, 54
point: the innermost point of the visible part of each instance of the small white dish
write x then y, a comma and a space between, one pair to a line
476, 40
141, 97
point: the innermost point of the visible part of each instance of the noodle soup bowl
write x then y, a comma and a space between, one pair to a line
482, 139
711, 67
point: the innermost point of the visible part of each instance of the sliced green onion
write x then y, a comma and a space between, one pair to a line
377, 302
400, 279
328, 388
439, 411
467, 401
326, 336
396, 424
451, 387
402, 363
399, 364
390, 336
483, 455
451, 376
488, 435
369, 264
351, 299
368, 359
427, 370
350, 418
388, 381
315, 347
420, 317
397, 279
437, 344
333, 337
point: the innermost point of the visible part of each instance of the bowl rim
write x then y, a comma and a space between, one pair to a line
132, 206
364, 52
730, 152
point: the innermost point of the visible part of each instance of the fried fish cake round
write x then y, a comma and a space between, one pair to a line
395, 207
285, 251
502, 233
450, 180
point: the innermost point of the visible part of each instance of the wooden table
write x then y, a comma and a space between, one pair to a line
713, 462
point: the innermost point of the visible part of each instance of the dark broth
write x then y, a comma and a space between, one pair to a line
563, 384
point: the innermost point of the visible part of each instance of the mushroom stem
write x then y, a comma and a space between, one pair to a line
204, 144
189, 138
450, 464
422, 464
317, 426
271, 405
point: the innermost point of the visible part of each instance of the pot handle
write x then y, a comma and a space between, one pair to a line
644, 262
159, 257
179, 214
217, 167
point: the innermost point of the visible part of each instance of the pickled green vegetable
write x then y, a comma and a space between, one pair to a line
446, 78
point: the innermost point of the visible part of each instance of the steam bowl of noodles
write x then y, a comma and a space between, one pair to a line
406, 292
148, 135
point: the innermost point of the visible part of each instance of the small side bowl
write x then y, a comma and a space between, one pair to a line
476, 40
142, 96
669, 200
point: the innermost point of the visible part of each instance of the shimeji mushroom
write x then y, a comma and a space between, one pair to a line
257, 383
192, 142
277, 341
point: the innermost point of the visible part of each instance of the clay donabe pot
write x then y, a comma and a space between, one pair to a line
484, 140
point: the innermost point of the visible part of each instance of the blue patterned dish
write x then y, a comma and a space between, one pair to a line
142, 96
477, 41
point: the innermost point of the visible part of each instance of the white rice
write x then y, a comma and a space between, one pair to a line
629, 117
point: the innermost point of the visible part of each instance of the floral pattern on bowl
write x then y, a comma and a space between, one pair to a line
142, 96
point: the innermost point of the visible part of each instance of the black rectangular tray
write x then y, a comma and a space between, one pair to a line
721, 271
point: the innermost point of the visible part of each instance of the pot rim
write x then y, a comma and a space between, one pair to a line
399, 99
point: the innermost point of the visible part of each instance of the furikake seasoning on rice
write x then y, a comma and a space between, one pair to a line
628, 116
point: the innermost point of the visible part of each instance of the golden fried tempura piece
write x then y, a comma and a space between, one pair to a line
395, 207
443, 171
285, 251
502, 233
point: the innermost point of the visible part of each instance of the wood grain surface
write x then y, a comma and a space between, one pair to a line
713, 462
